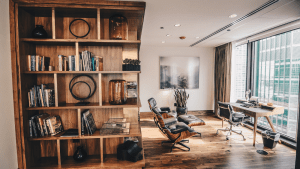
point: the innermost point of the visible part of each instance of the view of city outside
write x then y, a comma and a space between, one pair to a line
238, 83
277, 78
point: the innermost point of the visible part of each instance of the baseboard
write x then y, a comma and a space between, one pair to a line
195, 112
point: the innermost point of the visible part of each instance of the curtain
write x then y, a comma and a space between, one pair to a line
223, 56
250, 67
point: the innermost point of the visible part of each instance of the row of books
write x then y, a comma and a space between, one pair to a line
38, 63
41, 96
43, 125
86, 62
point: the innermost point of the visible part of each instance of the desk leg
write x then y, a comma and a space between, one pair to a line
254, 130
271, 125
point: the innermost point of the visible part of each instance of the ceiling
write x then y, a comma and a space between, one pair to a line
199, 18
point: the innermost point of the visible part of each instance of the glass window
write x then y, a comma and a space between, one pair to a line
238, 73
277, 78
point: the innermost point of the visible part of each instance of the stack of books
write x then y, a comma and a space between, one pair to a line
44, 125
41, 96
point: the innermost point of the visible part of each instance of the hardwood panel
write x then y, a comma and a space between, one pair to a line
48, 148
26, 21
104, 28
111, 145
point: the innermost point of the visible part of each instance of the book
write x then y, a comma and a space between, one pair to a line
70, 133
54, 124
60, 62
29, 62
70, 63
82, 125
32, 62
37, 62
34, 129
89, 121
30, 128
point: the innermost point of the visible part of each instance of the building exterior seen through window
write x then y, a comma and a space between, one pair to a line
277, 78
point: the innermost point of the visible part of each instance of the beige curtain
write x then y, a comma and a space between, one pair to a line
222, 74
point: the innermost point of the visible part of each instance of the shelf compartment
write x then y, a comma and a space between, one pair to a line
111, 161
31, 16
93, 41
82, 72
134, 131
64, 16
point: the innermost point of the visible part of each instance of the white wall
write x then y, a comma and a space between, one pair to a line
8, 150
200, 99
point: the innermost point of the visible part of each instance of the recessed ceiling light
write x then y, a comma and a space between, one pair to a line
168, 35
163, 41
177, 25
233, 16
161, 27
197, 37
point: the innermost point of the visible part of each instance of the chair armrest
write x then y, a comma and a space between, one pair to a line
179, 127
165, 109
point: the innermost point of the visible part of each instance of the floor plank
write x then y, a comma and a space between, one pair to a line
211, 150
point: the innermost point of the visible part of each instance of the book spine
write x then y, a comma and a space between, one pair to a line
73, 63
100, 63
33, 63
39, 129
42, 63
47, 97
29, 100
37, 62
93, 63
45, 127
30, 128
70, 63
48, 122
60, 61
82, 125
41, 96
34, 127
29, 62
65, 64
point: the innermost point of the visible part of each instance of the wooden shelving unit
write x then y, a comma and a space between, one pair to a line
55, 16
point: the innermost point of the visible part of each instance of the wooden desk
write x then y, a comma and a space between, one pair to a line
258, 112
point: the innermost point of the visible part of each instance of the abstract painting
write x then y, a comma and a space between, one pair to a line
179, 72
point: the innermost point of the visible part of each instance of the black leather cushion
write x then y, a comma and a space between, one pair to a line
189, 119
179, 127
170, 121
239, 117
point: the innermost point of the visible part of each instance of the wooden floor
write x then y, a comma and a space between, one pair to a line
213, 151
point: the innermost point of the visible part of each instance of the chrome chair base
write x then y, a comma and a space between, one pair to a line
230, 130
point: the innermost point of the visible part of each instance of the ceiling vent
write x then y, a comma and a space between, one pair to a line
267, 4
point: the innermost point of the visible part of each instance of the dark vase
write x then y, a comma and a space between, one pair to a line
137, 67
181, 110
39, 32
80, 154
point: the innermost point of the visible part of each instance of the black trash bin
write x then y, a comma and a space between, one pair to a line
270, 139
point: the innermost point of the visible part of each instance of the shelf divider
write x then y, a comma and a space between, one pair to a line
101, 149
58, 152
100, 88
98, 23
77, 57
53, 23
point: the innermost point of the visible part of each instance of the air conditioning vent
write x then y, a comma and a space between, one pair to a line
267, 4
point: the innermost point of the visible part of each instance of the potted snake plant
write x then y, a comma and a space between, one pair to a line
181, 98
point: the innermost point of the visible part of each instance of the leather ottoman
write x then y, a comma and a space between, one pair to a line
191, 120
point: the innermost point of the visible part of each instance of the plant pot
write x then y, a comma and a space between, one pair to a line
181, 110
137, 67
39, 32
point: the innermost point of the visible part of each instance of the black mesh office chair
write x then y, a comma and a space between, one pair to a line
225, 111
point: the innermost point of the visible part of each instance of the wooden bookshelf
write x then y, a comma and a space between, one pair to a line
55, 16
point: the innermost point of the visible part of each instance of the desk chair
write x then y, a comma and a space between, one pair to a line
225, 111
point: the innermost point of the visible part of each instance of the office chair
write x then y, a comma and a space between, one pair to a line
170, 127
225, 111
